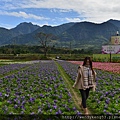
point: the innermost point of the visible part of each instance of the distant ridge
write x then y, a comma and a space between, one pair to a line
79, 34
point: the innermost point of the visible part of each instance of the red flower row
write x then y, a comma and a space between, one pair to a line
112, 67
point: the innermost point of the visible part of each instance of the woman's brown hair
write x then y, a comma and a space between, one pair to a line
90, 62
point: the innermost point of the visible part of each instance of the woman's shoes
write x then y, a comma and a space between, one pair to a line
85, 111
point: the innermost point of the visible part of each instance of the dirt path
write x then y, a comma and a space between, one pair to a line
75, 96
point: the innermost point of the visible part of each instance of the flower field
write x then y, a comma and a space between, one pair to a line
106, 98
38, 89
12, 67
111, 67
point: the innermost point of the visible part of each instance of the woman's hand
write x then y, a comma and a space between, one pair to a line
73, 86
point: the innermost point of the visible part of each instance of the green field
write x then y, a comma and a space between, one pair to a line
25, 57
106, 57
76, 57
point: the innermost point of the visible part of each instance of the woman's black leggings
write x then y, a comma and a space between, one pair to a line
84, 95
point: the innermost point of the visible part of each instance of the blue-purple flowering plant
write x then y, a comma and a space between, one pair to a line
38, 88
106, 98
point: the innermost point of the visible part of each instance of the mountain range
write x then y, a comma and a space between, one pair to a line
77, 34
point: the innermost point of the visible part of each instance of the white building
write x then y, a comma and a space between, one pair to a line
113, 47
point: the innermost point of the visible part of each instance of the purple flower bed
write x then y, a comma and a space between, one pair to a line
106, 98
70, 69
11, 67
39, 89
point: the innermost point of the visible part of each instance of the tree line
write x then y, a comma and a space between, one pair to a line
25, 49
44, 47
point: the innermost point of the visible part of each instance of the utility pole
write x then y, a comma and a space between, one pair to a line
110, 47
110, 56
117, 33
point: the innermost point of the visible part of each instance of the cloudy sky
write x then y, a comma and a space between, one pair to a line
57, 12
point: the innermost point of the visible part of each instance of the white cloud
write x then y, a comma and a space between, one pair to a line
23, 14
60, 10
45, 23
64, 10
7, 26
73, 19
53, 10
91, 10
95, 11
39, 24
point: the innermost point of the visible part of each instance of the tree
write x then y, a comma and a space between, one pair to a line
44, 40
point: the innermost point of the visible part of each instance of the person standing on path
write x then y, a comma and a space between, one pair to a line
85, 81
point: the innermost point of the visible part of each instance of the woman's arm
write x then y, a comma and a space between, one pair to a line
94, 79
77, 78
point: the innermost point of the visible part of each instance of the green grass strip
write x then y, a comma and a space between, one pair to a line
75, 95
74, 92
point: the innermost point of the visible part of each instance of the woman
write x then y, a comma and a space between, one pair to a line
85, 81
